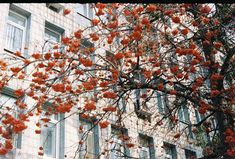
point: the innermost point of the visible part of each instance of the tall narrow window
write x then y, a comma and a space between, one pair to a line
89, 137
8, 99
122, 104
190, 154
118, 149
52, 136
184, 114
16, 31
170, 151
49, 135
85, 14
52, 36
146, 147
160, 102
184, 117
86, 10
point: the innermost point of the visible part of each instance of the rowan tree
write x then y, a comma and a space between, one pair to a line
183, 53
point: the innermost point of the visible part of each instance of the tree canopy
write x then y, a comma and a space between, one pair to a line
133, 54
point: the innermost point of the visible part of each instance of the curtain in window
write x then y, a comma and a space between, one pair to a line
88, 145
14, 38
49, 139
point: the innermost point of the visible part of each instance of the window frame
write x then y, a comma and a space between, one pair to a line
56, 32
172, 148
189, 152
24, 29
48, 41
56, 125
144, 149
161, 105
115, 131
148, 148
9, 93
86, 10
114, 154
81, 136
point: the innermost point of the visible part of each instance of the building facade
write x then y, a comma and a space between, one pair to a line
35, 27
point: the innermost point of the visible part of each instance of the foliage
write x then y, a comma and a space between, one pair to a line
180, 51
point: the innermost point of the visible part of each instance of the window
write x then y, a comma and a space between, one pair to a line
122, 104
89, 149
190, 154
16, 31
48, 136
118, 150
52, 136
85, 14
160, 102
146, 147
142, 106
141, 102
200, 117
56, 7
183, 115
170, 151
52, 36
7, 98
86, 10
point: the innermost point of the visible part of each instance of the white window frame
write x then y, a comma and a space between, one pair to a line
50, 41
57, 138
144, 149
160, 96
87, 11
85, 140
15, 114
171, 148
56, 32
116, 154
18, 26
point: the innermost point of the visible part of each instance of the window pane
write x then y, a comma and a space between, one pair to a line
90, 143
18, 141
14, 38
88, 148
16, 19
186, 114
85, 10
170, 151
49, 142
180, 114
189, 154
53, 36
144, 154
159, 102
117, 150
